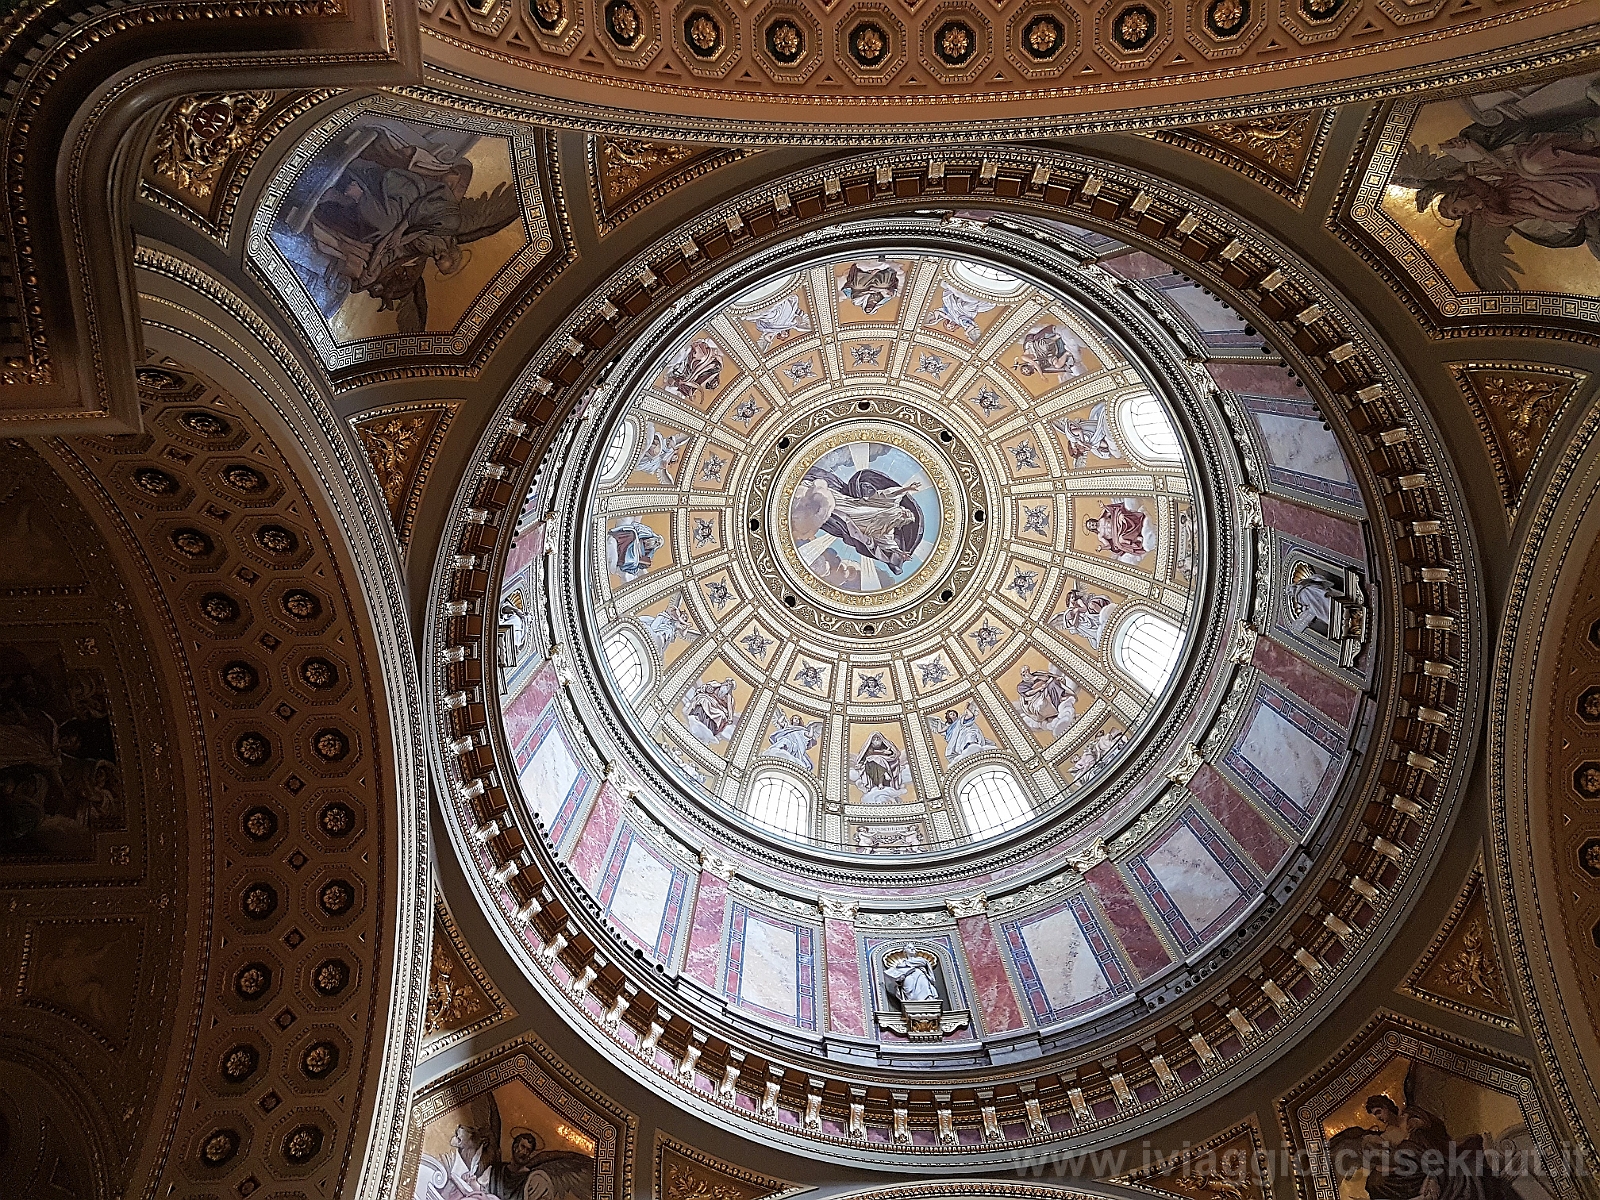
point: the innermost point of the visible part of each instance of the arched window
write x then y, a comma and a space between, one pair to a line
766, 290
986, 278
992, 800
780, 803
1149, 429
619, 453
627, 662
1146, 649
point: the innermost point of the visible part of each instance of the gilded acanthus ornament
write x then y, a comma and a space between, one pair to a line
391, 447
1276, 141
625, 163
201, 134
1474, 971
1528, 406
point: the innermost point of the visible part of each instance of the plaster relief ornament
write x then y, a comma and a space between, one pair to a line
196, 140
880, 771
1050, 350
660, 454
1122, 530
1084, 614
958, 312
960, 733
708, 710
781, 322
873, 838
632, 545
871, 283
695, 371
1047, 700
1088, 436
793, 738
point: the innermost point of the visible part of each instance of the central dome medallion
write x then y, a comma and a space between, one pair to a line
891, 553
868, 516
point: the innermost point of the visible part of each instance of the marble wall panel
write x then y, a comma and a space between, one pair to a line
996, 999
1143, 945
1287, 756
771, 967
1193, 879
705, 929
1065, 961
642, 893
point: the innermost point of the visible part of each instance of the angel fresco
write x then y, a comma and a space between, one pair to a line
1096, 751
1050, 349
674, 623
1409, 1153
1084, 613
871, 283
397, 208
631, 547
473, 1168
880, 771
960, 733
660, 454
1047, 701
1086, 436
783, 320
793, 738
958, 313
1122, 530
871, 512
708, 710
694, 369
1528, 168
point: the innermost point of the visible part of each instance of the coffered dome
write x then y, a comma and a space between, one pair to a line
890, 553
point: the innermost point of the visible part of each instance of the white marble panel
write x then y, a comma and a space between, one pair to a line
549, 775
1193, 879
1066, 965
640, 901
771, 974
1302, 445
1285, 754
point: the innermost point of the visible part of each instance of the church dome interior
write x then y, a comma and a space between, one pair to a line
887, 600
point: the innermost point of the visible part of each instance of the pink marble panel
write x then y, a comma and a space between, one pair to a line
1313, 526
997, 1001
1300, 677
1239, 817
1137, 265
589, 854
526, 549
1144, 947
522, 711
845, 1013
705, 932
1252, 380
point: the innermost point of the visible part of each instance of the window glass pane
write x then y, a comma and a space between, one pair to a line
1147, 649
991, 801
619, 451
779, 803
1149, 430
627, 664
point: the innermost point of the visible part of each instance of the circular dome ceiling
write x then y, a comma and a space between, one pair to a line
945, 653
892, 552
